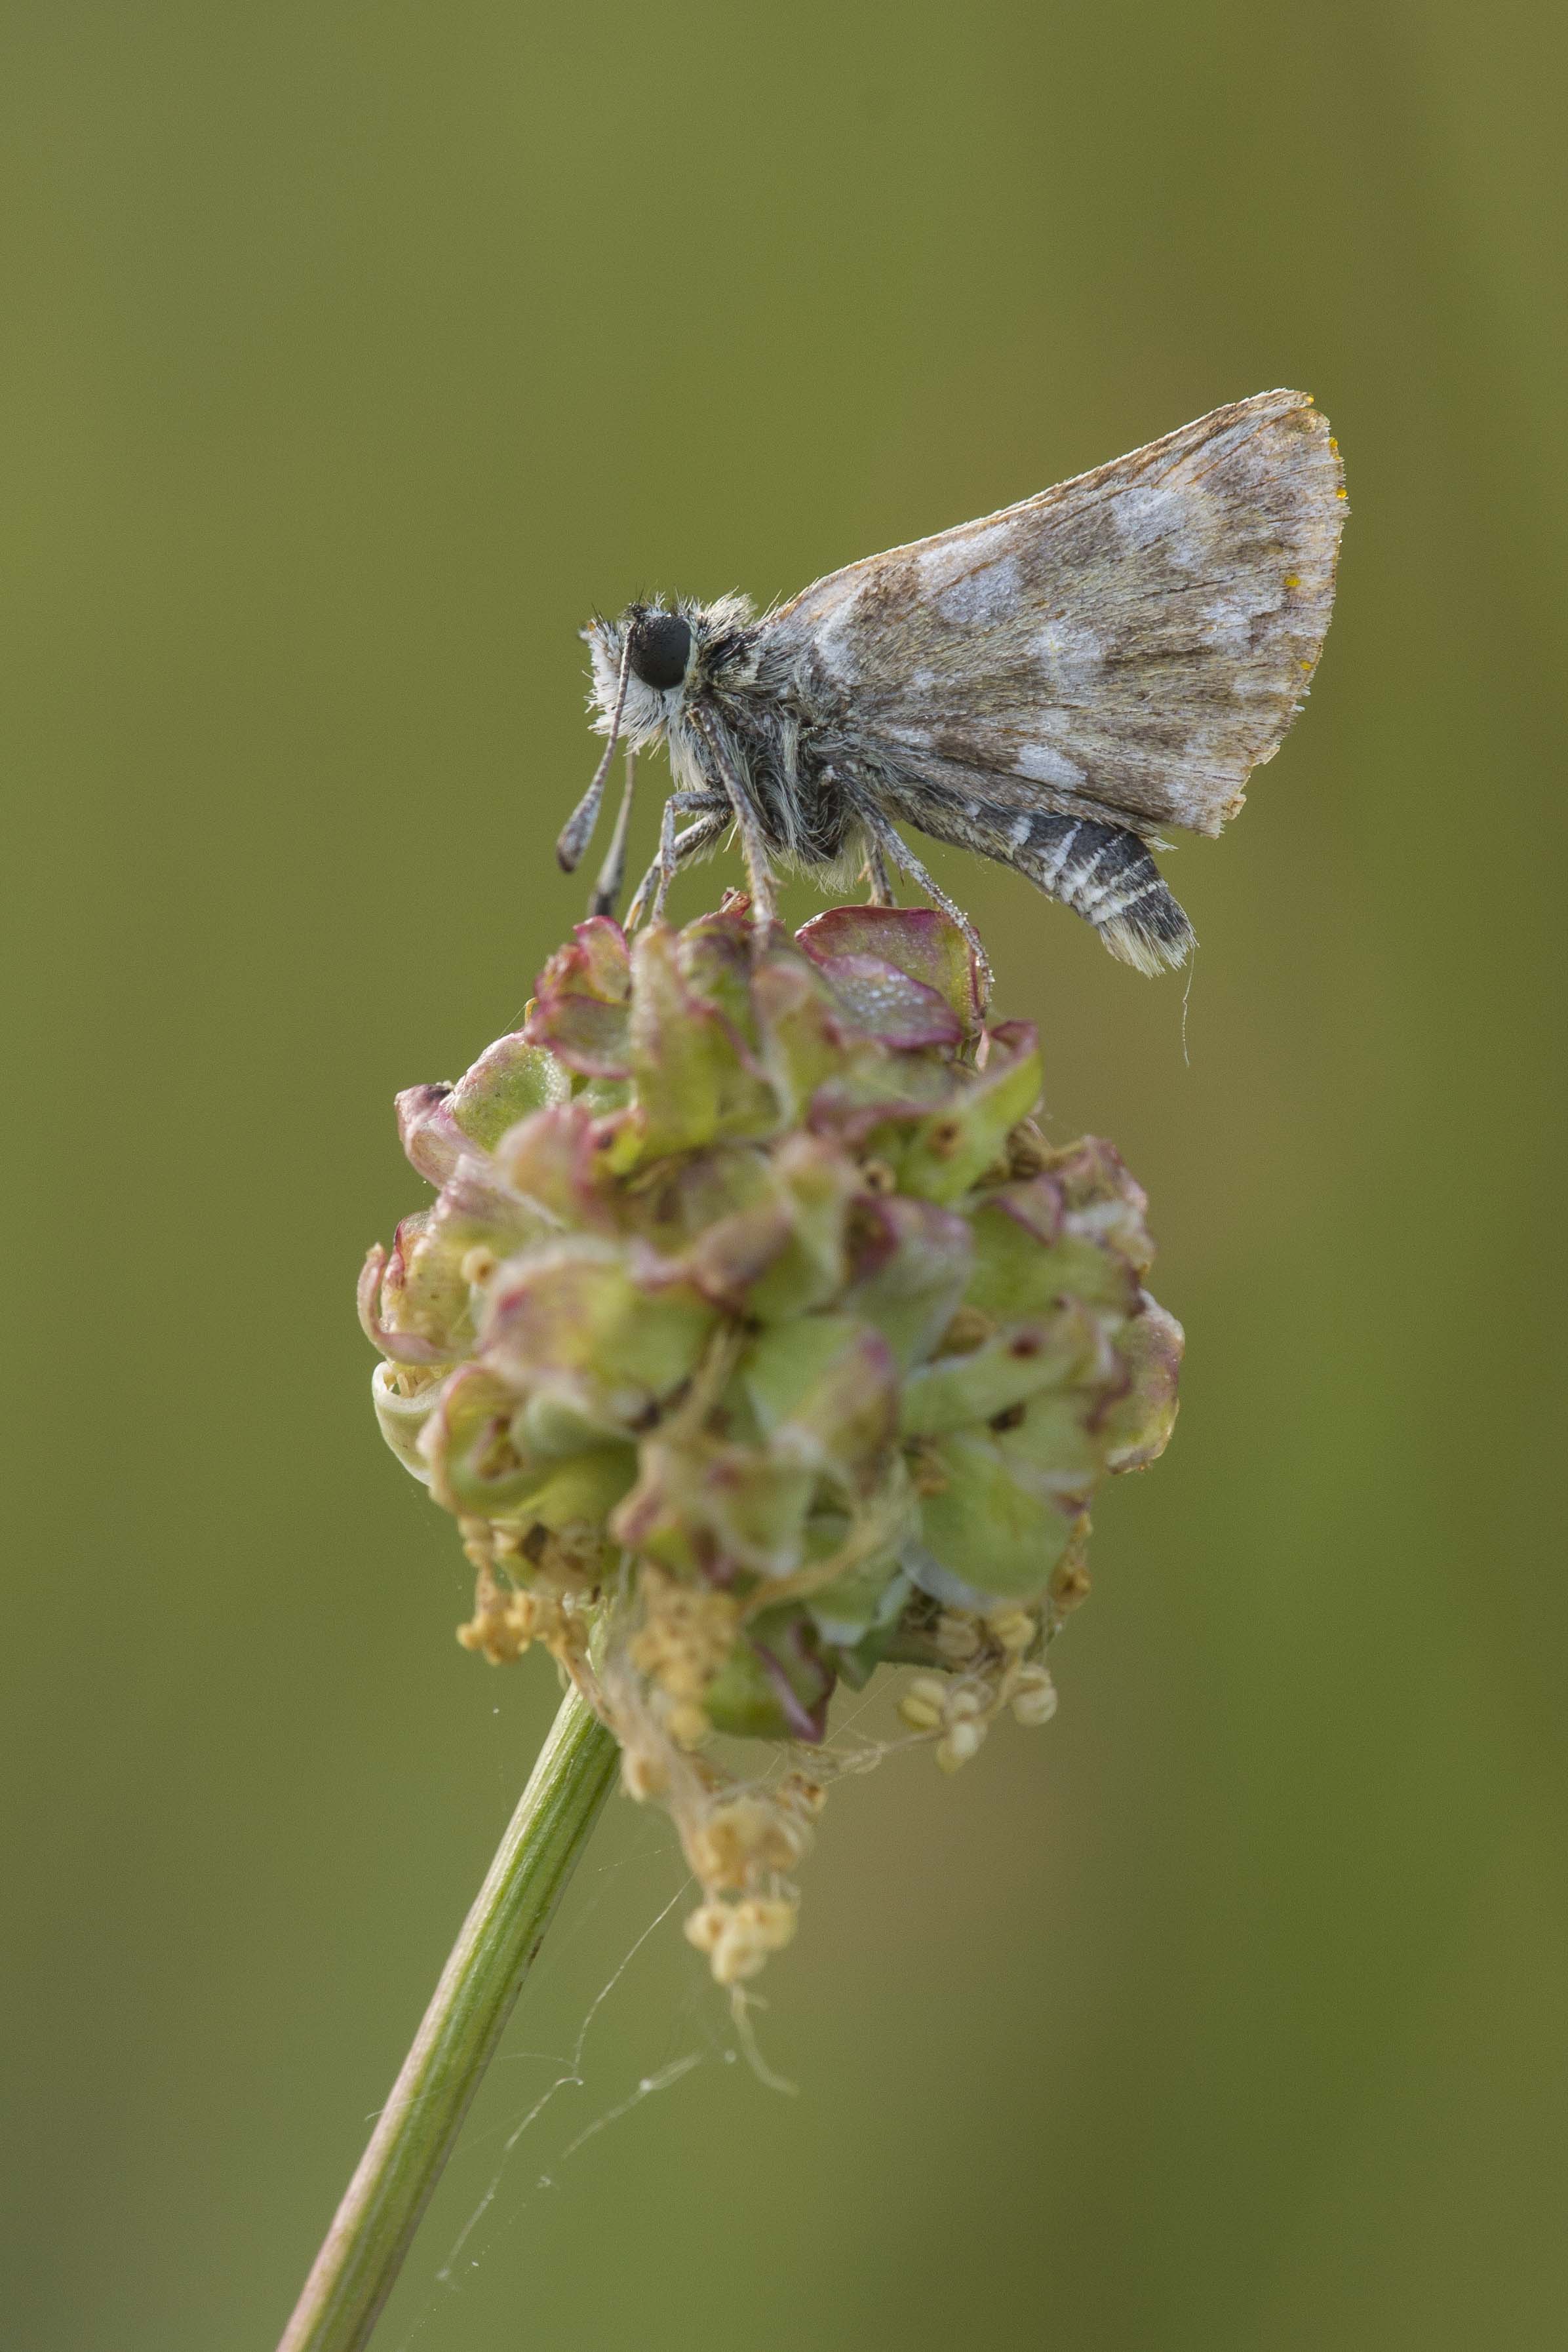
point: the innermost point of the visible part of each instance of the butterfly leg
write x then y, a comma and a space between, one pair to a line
676, 849
901, 855
876, 877
753, 846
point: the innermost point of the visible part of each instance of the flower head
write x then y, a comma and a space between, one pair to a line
755, 1338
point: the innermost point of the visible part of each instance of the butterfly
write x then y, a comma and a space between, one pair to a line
1048, 685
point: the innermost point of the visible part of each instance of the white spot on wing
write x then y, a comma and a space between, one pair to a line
1163, 516
948, 559
1226, 628
1071, 657
1062, 723
988, 595
1231, 620
1046, 765
831, 642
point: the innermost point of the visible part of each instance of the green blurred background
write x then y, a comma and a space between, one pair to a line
352, 354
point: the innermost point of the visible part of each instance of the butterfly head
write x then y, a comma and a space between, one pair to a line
646, 661
656, 657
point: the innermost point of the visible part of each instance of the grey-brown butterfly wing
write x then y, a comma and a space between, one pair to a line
1127, 645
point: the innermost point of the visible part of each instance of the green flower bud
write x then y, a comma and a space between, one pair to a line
755, 1337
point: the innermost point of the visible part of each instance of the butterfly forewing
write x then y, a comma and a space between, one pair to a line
1133, 641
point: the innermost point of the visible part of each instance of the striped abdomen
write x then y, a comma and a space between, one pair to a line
1103, 874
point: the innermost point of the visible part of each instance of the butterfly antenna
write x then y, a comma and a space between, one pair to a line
613, 872
578, 829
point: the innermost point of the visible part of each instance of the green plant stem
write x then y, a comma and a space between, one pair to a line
362, 2253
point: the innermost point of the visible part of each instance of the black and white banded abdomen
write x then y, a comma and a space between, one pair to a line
1103, 872
1107, 876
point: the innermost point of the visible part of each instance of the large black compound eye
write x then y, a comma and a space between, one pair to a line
658, 650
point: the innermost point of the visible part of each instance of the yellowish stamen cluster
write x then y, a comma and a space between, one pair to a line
739, 1846
507, 1622
992, 1672
509, 1616
687, 1634
739, 1937
748, 1836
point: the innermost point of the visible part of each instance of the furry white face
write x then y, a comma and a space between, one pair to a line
658, 648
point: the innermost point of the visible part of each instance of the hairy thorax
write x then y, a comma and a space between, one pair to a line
788, 749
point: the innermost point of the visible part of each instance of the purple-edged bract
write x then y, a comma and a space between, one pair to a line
1048, 685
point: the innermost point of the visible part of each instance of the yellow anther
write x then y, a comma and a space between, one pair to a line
957, 1638
687, 1724
924, 1704
1069, 1585
704, 1928
643, 1775
746, 1933
1034, 1697
1013, 1629
804, 1794
962, 1741
746, 1836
